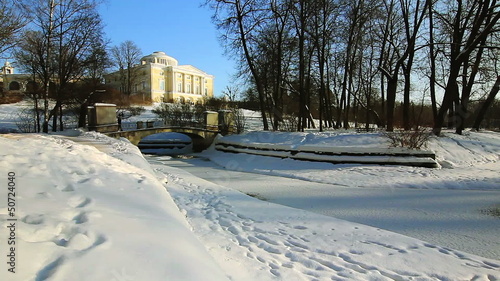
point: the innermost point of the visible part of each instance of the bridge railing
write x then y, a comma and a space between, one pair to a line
132, 126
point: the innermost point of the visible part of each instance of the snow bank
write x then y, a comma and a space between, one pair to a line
306, 150
94, 213
468, 162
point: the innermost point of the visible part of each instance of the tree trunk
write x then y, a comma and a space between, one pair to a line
451, 92
260, 88
432, 55
486, 104
392, 84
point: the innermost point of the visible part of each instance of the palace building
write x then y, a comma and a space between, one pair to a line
159, 77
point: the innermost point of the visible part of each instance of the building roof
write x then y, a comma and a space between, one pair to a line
191, 68
160, 58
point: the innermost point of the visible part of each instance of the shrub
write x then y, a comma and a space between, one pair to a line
289, 123
239, 120
414, 139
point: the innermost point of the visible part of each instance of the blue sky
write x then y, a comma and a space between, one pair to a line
180, 28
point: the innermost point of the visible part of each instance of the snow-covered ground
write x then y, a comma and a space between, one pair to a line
88, 207
456, 219
85, 214
92, 208
9, 116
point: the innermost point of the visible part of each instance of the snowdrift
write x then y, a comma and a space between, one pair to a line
86, 214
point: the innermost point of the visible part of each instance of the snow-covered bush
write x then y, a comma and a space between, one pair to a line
413, 139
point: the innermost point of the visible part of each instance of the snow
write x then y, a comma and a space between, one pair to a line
91, 202
9, 116
89, 207
456, 219
280, 243
104, 104
86, 214
166, 144
467, 162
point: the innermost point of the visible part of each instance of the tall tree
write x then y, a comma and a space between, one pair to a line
487, 103
469, 23
432, 62
239, 20
321, 32
411, 16
125, 56
414, 13
12, 20
61, 44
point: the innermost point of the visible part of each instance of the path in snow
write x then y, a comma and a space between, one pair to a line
451, 218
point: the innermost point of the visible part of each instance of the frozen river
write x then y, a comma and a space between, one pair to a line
456, 219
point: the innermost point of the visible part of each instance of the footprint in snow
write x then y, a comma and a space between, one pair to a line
34, 219
66, 188
80, 240
79, 201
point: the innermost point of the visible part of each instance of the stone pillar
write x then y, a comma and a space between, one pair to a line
226, 121
102, 118
211, 120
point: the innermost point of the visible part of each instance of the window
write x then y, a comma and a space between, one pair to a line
162, 85
197, 89
179, 87
188, 88
206, 91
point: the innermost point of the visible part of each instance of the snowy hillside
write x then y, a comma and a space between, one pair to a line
85, 214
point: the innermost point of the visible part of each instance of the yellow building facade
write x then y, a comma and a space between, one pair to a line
159, 77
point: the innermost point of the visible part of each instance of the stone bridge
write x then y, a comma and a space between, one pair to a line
202, 137
202, 134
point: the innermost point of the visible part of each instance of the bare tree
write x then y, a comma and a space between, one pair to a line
412, 16
486, 104
125, 57
239, 20
469, 23
12, 20
59, 50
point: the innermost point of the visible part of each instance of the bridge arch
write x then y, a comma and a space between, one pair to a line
167, 143
14, 86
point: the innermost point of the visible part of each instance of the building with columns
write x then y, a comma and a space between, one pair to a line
159, 77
